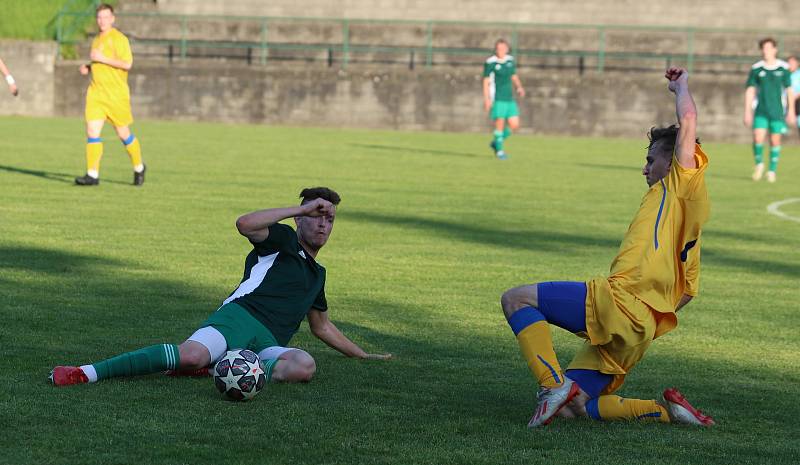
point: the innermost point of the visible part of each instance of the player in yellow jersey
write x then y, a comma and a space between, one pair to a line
654, 275
108, 98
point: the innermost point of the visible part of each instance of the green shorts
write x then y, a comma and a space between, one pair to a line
504, 109
240, 329
775, 126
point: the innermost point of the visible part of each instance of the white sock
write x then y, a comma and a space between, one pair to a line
90, 372
138, 168
93, 173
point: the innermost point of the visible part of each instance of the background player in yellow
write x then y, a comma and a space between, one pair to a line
108, 98
655, 273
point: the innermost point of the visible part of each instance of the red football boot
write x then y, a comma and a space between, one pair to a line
64, 376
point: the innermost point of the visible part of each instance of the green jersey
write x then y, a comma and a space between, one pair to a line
500, 73
770, 83
281, 283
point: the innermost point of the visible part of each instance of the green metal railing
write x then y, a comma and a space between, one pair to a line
346, 49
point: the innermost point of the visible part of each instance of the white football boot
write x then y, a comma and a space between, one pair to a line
681, 411
758, 171
551, 400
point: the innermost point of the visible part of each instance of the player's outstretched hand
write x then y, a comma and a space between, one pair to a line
677, 77
84, 69
318, 207
791, 119
487, 105
377, 357
14, 89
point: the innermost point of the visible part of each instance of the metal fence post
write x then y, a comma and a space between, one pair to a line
515, 40
690, 50
264, 41
429, 45
183, 37
601, 49
345, 43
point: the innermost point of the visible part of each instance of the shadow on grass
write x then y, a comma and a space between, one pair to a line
394, 148
496, 235
49, 261
50, 175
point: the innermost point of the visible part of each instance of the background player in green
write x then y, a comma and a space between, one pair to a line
499, 73
764, 106
282, 285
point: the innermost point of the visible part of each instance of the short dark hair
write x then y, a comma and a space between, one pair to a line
312, 193
767, 40
502, 41
104, 6
668, 136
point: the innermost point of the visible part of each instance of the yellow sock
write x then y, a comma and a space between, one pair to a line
94, 151
536, 344
612, 407
134, 150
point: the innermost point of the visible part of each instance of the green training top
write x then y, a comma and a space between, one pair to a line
770, 83
281, 283
500, 72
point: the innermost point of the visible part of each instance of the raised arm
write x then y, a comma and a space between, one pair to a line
687, 116
324, 329
255, 225
12, 84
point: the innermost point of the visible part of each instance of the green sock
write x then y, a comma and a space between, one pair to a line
269, 365
774, 155
153, 359
498, 140
506, 132
758, 153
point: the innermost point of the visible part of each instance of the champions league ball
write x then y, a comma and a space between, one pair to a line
239, 375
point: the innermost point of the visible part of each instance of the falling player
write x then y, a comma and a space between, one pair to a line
654, 275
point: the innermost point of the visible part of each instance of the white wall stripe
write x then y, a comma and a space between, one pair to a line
257, 274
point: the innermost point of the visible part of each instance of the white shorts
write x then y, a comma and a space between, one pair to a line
216, 345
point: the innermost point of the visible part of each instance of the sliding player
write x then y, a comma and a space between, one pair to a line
499, 73
282, 285
653, 276
109, 98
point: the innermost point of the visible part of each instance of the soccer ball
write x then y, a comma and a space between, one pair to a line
239, 375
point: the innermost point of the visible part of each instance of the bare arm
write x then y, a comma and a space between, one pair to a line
791, 117
487, 97
324, 329
684, 300
749, 98
12, 84
255, 225
518, 85
687, 116
97, 56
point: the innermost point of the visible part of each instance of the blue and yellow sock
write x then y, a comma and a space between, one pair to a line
758, 153
610, 407
134, 152
498, 140
153, 359
774, 156
94, 152
535, 342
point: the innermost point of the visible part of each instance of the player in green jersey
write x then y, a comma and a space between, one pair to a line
499, 74
764, 106
282, 285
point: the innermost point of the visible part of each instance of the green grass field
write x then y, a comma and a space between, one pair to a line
430, 231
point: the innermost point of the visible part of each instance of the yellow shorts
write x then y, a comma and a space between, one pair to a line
118, 112
620, 328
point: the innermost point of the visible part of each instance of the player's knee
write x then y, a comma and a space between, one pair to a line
304, 367
193, 356
511, 301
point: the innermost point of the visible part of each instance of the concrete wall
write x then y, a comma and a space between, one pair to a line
559, 102
32, 65
709, 13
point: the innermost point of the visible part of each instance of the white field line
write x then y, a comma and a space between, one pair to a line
774, 208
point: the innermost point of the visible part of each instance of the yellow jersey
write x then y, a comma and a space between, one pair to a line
659, 258
110, 84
